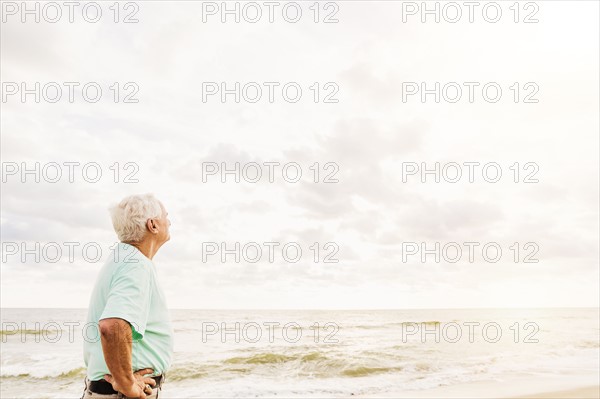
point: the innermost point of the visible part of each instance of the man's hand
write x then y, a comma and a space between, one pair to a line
137, 389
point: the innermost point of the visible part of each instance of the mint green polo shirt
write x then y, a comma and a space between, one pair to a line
127, 287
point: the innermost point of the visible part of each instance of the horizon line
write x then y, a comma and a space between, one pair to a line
338, 309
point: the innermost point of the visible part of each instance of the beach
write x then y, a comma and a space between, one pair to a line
571, 387
585, 392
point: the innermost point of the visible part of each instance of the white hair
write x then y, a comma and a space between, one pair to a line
129, 216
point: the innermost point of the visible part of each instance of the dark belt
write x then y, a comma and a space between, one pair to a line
104, 387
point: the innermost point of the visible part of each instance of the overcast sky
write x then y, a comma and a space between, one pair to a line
368, 135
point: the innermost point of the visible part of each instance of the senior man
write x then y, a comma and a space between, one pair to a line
128, 344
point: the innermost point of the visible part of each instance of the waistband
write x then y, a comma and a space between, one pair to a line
104, 387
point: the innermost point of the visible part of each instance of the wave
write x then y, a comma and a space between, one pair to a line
78, 372
588, 344
239, 364
29, 331
311, 364
341, 326
388, 325
263, 358
365, 371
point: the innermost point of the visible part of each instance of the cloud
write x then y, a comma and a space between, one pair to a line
362, 141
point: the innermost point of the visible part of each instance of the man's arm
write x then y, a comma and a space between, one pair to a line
127, 307
116, 344
116, 341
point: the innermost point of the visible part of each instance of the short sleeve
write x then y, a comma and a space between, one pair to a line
129, 297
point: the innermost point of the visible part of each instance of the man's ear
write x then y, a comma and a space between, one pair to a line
151, 226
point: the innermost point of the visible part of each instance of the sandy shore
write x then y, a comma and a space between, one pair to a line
559, 387
587, 392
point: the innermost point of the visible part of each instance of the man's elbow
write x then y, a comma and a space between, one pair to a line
110, 328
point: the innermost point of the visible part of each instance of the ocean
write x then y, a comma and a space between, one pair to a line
314, 353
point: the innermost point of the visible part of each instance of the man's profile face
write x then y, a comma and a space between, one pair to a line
165, 223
